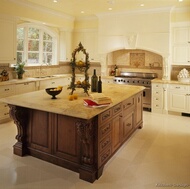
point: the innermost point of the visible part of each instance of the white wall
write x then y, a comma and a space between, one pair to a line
148, 30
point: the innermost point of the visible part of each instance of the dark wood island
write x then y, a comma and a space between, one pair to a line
71, 135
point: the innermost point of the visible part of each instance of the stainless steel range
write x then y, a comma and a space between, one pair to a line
138, 78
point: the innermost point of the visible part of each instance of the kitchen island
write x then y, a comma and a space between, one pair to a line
71, 135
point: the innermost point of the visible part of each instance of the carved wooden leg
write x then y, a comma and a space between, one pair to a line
86, 131
19, 115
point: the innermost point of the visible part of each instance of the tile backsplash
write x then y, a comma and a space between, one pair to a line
136, 61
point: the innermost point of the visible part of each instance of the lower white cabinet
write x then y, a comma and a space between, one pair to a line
107, 80
5, 91
54, 82
179, 98
25, 87
157, 98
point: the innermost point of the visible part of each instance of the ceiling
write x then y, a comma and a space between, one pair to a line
94, 7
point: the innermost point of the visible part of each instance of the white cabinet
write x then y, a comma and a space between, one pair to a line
54, 82
157, 103
179, 98
181, 45
89, 40
65, 45
5, 91
25, 87
107, 80
7, 39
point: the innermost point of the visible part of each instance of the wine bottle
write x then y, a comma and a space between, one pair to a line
94, 82
99, 85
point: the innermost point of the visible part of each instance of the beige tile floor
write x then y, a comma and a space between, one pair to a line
157, 156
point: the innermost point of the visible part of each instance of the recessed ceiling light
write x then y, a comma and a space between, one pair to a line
82, 12
180, 0
55, 1
142, 5
110, 9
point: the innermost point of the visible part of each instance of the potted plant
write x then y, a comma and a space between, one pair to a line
19, 68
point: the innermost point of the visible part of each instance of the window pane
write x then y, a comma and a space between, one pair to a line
47, 37
33, 45
47, 58
33, 33
20, 33
33, 57
47, 46
20, 45
19, 56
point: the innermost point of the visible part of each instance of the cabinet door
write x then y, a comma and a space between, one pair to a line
181, 54
181, 45
4, 113
116, 133
25, 87
8, 40
177, 101
6, 91
51, 83
128, 125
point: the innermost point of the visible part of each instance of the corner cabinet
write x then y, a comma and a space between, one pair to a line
8, 39
181, 45
179, 98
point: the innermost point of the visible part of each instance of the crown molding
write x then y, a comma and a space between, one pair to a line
145, 11
42, 9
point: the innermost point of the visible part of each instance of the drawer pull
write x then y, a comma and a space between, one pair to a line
105, 129
105, 143
6, 89
128, 124
105, 116
117, 109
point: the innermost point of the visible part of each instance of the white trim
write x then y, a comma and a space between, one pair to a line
180, 24
144, 11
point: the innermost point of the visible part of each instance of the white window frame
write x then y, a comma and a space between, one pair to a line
42, 28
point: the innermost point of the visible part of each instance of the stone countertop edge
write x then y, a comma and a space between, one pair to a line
169, 82
40, 100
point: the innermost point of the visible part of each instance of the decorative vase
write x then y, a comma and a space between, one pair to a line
20, 76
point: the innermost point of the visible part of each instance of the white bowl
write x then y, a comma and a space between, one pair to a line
184, 80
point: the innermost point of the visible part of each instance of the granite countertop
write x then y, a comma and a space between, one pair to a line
40, 100
169, 82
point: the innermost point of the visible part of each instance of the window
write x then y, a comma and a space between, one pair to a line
36, 45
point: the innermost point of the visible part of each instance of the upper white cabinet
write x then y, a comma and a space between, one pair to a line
89, 40
181, 45
7, 39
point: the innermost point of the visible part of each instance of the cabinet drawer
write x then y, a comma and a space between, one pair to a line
178, 87
128, 103
104, 143
104, 156
104, 129
157, 85
105, 116
117, 109
157, 93
6, 91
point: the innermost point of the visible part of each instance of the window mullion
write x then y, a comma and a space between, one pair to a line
41, 47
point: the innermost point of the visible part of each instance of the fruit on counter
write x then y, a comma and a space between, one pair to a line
59, 88
70, 97
75, 96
